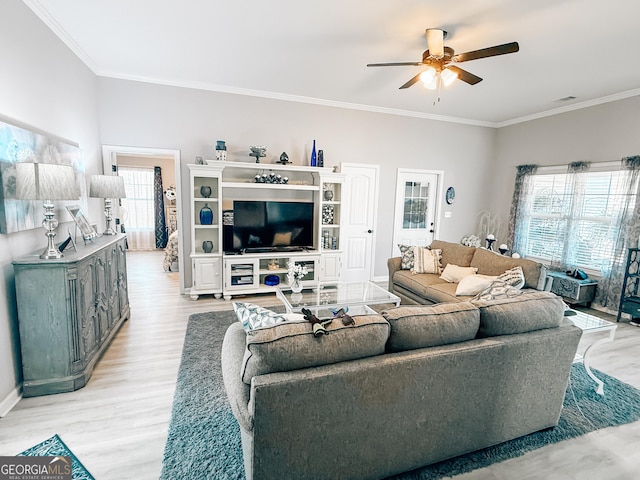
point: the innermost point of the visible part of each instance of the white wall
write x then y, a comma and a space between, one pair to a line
601, 133
146, 115
45, 86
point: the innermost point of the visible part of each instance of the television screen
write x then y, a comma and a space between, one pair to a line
272, 225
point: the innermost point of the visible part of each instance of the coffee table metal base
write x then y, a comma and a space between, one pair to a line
589, 325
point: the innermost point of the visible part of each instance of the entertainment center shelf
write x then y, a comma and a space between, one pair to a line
223, 274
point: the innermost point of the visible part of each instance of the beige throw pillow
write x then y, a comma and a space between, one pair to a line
474, 284
454, 273
426, 260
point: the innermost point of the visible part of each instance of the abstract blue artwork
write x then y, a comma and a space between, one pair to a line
19, 145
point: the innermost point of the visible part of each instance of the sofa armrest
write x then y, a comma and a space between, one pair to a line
233, 347
394, 264
548, 282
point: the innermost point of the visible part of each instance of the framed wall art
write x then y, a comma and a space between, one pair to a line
23, 145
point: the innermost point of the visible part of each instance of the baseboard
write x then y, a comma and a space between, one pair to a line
381, 279
10, 401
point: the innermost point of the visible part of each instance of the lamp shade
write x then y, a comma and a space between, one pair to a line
107, 186
46, 181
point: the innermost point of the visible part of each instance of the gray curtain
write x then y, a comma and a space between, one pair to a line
158, 208
565, 258
610, 286
519, 213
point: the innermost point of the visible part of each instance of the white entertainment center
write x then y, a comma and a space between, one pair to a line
217, 184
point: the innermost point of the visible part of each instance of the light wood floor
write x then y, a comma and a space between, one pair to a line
117, 424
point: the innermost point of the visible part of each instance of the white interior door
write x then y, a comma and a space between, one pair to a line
415, 214
360, 201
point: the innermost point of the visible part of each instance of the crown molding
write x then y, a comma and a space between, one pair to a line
293, 98
43, 14
570, 108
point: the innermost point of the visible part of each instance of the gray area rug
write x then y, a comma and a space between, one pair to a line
204, 437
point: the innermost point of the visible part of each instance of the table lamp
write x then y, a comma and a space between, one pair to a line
47, 182
107, 187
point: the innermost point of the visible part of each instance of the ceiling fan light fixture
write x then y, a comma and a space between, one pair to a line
435, 42
429, 77
448, 77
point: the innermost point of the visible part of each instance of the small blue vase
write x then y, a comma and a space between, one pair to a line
313, 155
206, 215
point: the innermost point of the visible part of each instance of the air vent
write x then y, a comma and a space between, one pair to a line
565, 99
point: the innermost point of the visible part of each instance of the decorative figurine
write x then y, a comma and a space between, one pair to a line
258, 151
503, 248
490, 241
284, 158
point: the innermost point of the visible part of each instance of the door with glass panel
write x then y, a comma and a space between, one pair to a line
415, 214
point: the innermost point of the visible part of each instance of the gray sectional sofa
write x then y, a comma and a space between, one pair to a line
396, 391
427, 288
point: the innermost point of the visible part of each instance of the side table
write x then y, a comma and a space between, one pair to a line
573, 290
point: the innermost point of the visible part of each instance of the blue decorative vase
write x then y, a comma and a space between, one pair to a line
206, 215
313, 155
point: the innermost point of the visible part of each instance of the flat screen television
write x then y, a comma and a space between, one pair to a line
265, 226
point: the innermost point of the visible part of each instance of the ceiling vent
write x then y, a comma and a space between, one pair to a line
565, 99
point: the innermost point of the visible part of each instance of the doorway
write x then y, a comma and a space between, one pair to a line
114, 156
360, 200
416, 218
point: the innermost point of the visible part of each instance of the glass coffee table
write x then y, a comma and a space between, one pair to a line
322, 300
589, 325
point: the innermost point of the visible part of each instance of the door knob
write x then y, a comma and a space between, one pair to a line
369, 231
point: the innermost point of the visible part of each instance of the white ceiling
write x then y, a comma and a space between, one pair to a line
317, 50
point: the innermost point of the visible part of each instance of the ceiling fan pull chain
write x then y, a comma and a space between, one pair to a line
439, 87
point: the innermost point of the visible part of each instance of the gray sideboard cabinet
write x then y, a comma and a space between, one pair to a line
68, 312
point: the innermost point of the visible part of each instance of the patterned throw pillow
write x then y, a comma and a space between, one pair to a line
513, 277
426, 260
253, 316
406, 251
497, 291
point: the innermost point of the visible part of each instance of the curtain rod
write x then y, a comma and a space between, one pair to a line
608, 165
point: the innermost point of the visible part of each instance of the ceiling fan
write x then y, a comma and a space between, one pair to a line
441, 61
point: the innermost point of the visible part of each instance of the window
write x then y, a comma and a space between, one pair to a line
139, 219
574, 219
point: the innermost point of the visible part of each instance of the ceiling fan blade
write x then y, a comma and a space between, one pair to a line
465, 76
396, 64
411, 82
487, 52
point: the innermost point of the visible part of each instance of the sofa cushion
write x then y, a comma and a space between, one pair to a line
455, 253
291, 346
455, 273
426, 260
417, 283
445, 292
531, 311
429, 326
490, 263
474, 284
